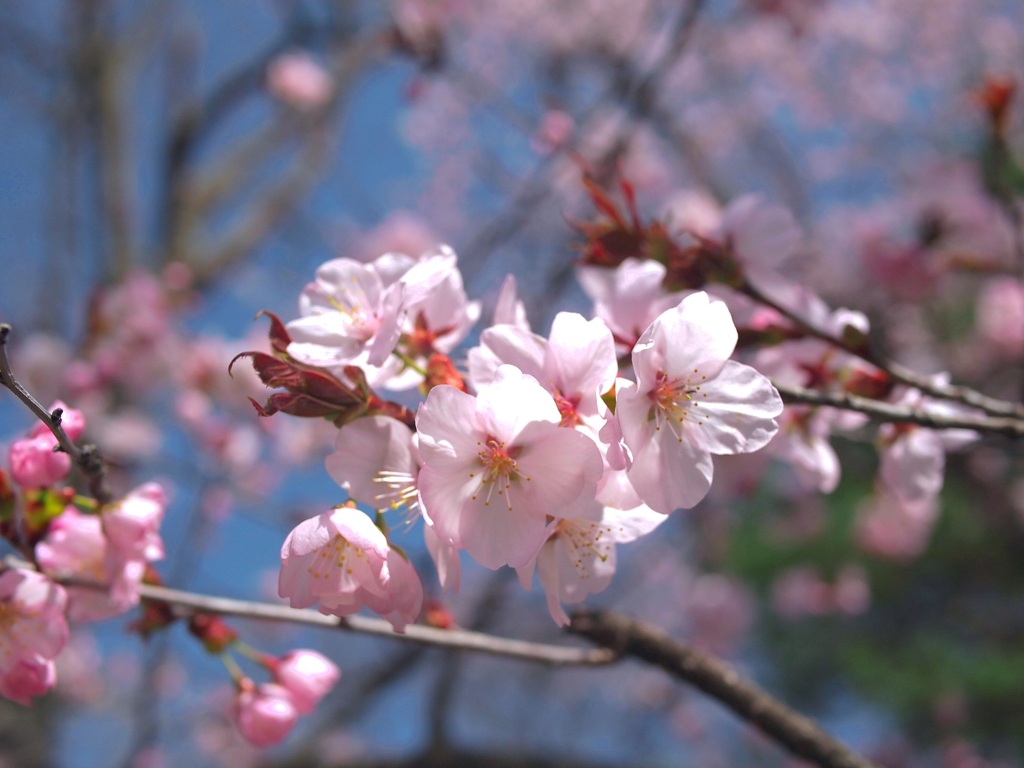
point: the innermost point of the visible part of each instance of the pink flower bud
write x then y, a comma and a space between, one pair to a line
299, 81
30, 677
265, 714
73, 422
132, 525
34, 464
307, 675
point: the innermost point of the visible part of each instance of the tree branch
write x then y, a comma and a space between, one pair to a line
796, 733
87, 457
188, 603
898, 373
888, 412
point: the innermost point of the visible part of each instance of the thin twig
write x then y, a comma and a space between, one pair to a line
189, 602
896, 414
185, 604
898, 373
796, 733
87, 456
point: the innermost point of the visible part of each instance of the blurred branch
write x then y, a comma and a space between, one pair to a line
796, 733
883, 411
898, 373
192, 200
86, 457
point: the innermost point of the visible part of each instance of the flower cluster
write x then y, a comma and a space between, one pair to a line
265, 713
543, 457
66, 536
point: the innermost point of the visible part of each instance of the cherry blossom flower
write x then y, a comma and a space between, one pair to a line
355, 313
404, 599
762, 235
913, 458
32, 623
35, 463
690, 401
265, 714
32, 676
1000, 316
436, 313
509, 308
578, 558
376, 460
335, 561
298, 80
496, 465
890, 527
350, 313
576, 364
307, 676
132, 525
628, 298
75, 545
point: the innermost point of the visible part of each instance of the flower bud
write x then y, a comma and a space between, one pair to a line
264, 714
30, 677
307, 675
35, 464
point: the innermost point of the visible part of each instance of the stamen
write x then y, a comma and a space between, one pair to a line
672, 400
500, 470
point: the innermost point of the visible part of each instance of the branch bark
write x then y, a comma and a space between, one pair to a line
796, 733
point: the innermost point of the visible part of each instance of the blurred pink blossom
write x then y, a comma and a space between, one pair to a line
31, 676
35, 463
298, 80
265, 714
75, 545
1000, 316
307, 675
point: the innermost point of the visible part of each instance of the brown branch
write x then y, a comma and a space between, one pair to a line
898, 373
187, 603
796, 733
1011, 427
87, 456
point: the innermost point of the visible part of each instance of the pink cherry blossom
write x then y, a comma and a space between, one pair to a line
576, 364
32, 622
32, 676
436, 301
72, 421
803, 443
578, 558
760, 234
628, 298
298, 80
497, 465
132, 525
690, 401
335, 561
350, 313
376, 460
403, 601
265, 714
890, 527
307, 676
509, 308
436, 313
913, 458
35, 463
75, 545
1000, 316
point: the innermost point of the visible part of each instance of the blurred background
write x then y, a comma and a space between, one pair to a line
170, 168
